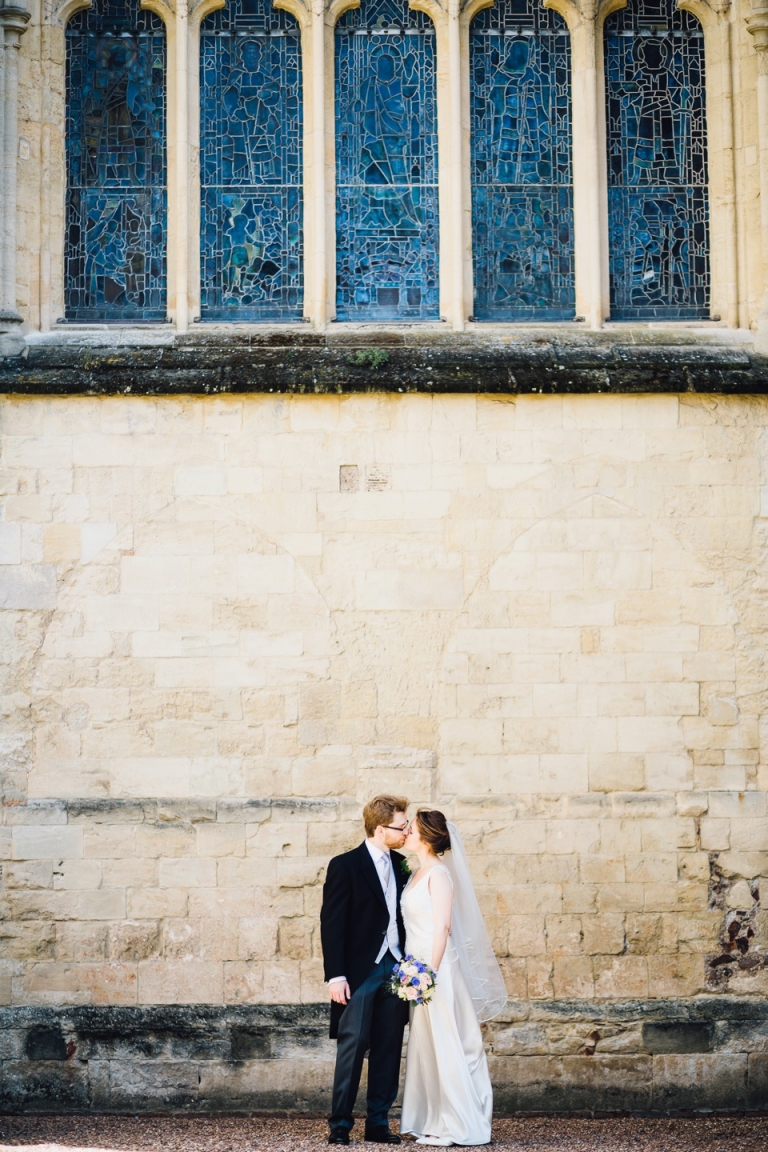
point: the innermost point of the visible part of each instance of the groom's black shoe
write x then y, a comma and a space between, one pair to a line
381, 1135
338, 1136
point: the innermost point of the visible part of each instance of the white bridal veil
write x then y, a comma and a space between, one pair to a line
479, 965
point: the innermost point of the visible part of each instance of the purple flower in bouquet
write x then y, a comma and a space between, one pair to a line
413, 981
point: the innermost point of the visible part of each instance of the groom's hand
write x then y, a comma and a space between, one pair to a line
339, 991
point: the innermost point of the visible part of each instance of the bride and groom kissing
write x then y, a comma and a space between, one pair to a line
376, 912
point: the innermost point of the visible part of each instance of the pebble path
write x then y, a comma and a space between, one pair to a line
269, 1134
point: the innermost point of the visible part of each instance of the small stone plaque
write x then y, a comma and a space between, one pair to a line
377, 478
349, 478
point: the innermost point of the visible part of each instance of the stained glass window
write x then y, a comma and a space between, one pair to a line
250, 164
115, 263
657, 163
386, 164
522, 195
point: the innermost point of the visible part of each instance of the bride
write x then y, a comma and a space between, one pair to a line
448, 1097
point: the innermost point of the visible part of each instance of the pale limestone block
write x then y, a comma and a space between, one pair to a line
611, 771
650, 412
564, 773
595, 869
180, 982
621, 977
737, 804
749, 835
156, 903
187, 872
10, 543
620, 897
658, 867
743, 864
590, 412
482, 737
110, 983
522, 837
220, 840
563, 935
81, 942
77, 875
282, 982
200, 480
27, 586
106, 904
719, 776
567, 836
603, 934
579, 899
121, 613
243, 982
400, 589
148, 776
276, 839
52, 983
46, 843
681, 975
150, 574
573, 977
129, 873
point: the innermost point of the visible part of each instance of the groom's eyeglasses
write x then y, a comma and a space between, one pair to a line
398, 827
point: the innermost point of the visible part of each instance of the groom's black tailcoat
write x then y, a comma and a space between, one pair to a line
354, 919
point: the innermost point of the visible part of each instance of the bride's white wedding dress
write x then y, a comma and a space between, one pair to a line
448, 1090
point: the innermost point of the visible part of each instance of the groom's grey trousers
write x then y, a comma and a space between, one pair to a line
373, 1020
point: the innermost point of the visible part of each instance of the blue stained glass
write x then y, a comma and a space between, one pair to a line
386, 164
658, 207
250, 164
116, 203
522, 194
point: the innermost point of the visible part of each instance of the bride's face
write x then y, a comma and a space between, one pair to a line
413, 841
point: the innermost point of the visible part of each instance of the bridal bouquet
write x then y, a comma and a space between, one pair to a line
413, 980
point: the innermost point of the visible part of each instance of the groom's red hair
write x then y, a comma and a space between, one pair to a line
381, 810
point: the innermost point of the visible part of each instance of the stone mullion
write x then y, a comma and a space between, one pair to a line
13, 22
757, 25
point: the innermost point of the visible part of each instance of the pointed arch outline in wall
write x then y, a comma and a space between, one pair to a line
386, 161
116, 173
250, 164
658, 189
521, 166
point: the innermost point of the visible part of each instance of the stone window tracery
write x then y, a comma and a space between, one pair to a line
116, 201
522, 185
250, 164
658, 203
386, 164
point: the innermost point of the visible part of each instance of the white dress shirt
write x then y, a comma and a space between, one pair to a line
383, 864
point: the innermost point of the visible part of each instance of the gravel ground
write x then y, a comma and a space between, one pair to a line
261, 1134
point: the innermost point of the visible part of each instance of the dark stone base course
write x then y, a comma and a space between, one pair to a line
389, 361
654, 1056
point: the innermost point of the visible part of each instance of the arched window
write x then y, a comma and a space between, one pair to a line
250, 164
522, 194
115, 264
657, 163
386, 164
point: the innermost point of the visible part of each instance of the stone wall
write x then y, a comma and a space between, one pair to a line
228, 621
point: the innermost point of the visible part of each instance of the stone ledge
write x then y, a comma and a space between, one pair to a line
349, 359
651, 1056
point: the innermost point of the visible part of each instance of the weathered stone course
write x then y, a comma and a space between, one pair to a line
574, 1056
538, 361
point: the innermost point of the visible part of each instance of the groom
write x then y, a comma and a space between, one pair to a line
362, 934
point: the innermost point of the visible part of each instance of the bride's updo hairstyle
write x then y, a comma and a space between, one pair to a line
433, 830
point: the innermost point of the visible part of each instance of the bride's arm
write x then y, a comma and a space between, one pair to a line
442, 906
